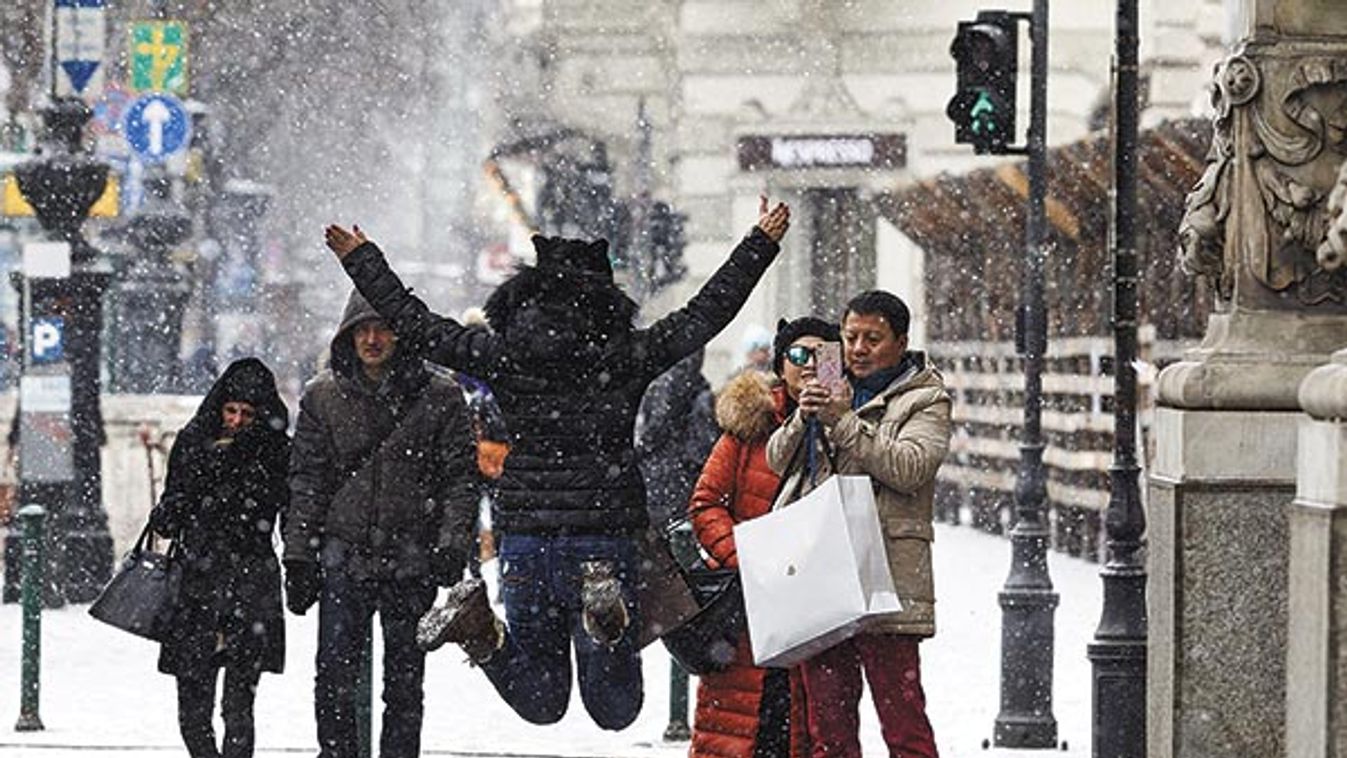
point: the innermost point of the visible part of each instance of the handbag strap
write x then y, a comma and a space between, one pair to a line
147, 539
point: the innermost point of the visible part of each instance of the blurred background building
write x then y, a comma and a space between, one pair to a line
657, 124
452, 131
829, 106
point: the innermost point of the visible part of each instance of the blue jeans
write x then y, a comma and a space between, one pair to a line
345, 614
540, 585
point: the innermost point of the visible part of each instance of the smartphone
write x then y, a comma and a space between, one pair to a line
828, 364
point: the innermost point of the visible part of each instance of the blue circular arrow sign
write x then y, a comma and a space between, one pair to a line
157, 126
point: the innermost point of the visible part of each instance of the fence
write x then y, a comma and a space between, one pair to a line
977, 481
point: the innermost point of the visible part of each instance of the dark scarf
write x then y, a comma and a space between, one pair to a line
865, 390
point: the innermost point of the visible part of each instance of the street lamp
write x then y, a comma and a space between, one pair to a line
152, 293
1118, 653
62, 186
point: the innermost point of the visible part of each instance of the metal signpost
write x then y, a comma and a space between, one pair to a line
46, 455
1028, 601
983, 111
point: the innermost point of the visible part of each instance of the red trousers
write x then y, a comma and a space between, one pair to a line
832, 685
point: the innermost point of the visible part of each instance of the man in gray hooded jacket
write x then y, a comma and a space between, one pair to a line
382, 506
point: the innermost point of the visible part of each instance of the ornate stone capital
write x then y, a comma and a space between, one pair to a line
1259, 223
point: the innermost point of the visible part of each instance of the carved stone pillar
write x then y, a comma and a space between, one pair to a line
1258, 228
1316, 652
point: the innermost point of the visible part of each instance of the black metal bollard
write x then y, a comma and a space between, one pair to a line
30, 521
677, 730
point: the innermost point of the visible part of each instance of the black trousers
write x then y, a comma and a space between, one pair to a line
345, 614
196, 710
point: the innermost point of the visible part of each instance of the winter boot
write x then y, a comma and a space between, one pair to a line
605, 614
466, 618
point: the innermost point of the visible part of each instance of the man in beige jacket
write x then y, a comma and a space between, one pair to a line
890, 420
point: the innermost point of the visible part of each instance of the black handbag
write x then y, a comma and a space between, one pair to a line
705, 643
143, 593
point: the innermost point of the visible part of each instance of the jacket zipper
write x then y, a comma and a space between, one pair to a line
374, 503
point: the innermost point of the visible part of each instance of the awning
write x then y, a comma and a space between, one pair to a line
972, 229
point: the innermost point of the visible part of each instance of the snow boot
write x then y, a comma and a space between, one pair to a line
604, 613
466, 618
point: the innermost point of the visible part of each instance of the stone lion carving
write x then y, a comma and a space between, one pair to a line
1333, 250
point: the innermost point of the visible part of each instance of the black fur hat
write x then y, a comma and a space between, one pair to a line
573, 272
561, 253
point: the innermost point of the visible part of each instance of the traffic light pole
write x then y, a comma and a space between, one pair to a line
1028, 602
1118, 653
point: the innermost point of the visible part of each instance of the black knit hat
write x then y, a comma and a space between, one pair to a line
581, 255
789, 331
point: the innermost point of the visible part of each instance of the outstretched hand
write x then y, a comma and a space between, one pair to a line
774, 222
343, 242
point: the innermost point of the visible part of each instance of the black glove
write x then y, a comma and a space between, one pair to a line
446, 568
302, 585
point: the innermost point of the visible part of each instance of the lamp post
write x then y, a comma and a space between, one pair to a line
152, 294
1028, 601
1118, 653
62, 186
235, 220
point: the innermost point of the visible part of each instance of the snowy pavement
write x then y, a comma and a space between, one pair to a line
101, 693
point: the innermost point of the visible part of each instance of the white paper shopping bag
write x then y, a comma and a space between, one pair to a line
813, 571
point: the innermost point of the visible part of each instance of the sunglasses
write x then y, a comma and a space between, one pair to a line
800, 355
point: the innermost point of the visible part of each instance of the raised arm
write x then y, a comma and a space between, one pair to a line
719, 300
432, 336
903, 456
784, 442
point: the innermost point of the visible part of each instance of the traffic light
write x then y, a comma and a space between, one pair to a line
983, 108
667, 240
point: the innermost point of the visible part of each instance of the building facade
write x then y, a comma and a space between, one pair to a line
822, 104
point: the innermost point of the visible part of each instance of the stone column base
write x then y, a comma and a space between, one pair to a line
1316, 692
1217, 592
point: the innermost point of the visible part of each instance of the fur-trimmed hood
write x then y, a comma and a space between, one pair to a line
752, 405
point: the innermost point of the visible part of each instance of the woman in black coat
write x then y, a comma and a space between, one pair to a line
226, 486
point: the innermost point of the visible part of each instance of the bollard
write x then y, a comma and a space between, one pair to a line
30, 521
364, 699
677, 730
684, 547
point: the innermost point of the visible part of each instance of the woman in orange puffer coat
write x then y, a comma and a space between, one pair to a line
746, 711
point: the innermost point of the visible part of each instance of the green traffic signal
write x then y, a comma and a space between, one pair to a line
983, 115
983, 106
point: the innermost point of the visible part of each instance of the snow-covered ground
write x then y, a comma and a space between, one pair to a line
101, 693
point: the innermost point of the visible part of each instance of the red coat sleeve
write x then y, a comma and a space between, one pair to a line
712, 497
